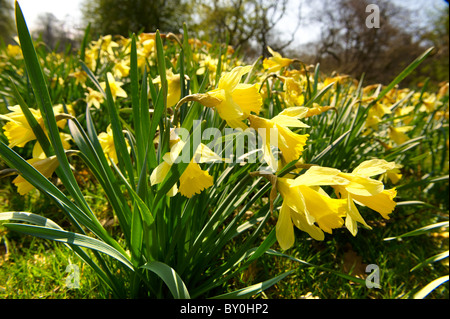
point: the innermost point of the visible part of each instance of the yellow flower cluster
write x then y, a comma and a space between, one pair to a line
239, 98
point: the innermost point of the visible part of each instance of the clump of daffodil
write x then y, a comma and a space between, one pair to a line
115, 86
234, 101
193, 180
276, 62
276, 133
364, 190
146, 48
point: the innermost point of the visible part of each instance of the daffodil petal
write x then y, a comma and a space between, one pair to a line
284, 228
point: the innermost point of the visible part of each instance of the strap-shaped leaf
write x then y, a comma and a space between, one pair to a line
70, 238
254, 289
29, 218
404, 73
170, 278
425, 291
45, 105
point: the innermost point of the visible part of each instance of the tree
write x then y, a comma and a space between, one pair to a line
120, 17
348, 45
53, 32
437, 35
250, 24
6, 21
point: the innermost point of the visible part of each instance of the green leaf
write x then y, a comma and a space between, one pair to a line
431, 260
254, 289
319, 95
70, 238
338, 273
119, 139
329, 148
404, 73
29, 218
420, 231
430, 287
45, 105
170, 278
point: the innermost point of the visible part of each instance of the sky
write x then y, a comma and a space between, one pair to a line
70, 12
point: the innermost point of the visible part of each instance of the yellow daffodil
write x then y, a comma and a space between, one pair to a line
45, 166
106, 44
393, 174
293, 92
145, 50
233, 101
398, 134
106, 140
18, 131
173, 87
308, 207
206, 62
115, 86
193, 180
94, 98
14, 51
366, 191
276, 62
337, 79
80, 77
121, 68
275, 133
429, 102
406, 113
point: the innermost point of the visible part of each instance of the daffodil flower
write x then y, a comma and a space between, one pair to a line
121, 68
308, 207
115, 86
45, 166
14, 51
233, 101
276, 62
80, 77
193, 180
106, 140
173, 87
366, 191
293, 93
276, 133
398, 134
94, 98
18, 131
